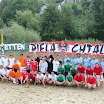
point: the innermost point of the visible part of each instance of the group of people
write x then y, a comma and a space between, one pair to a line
80, 72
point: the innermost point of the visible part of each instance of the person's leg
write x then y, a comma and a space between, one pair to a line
50, 82
101, 83
43, 82
94, 86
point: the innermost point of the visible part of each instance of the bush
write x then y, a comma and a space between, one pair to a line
16, 33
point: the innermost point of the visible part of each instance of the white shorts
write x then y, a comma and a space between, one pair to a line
91, 84
14, 81
98, 77
22, 68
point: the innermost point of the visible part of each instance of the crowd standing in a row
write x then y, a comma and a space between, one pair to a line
51, 70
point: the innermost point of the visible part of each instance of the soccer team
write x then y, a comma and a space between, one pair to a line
80, 72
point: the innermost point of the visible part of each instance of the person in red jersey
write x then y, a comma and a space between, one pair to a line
81, 69
78, 79
89, 71
34, 65
91, 82
25, 76
98, 72
32, 77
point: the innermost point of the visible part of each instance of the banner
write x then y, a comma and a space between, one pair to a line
14, 47
67, 47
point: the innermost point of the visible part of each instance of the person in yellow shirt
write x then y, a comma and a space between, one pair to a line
22, 61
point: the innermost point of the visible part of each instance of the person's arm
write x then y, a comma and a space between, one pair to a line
25, 79
8, 62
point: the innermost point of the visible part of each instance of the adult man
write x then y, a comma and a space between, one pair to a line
12, 76
60, 79
78, 79
102, 64
34, 65
93, 61
5, 61
89, 71
22, 61
16, 66
11, 62
91, 82
69, 79
81, 69
25, 76
1, 60
52, 78
33, 77
46, 78
67, 67
65, 59
78, 60
5, 74
72, 60
73, 70
18, 77
55, 65
43, 66
86, 61
39, 78
1, 71
98, 72
61, 68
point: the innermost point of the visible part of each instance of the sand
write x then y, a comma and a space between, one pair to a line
18, 94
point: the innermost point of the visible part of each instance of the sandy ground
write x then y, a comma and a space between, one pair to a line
18, 94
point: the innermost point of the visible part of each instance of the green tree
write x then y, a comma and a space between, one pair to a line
50, 25
98, 13
17, 33
28, 20
9, 10
1, 23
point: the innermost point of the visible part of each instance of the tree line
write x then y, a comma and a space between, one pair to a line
20, 20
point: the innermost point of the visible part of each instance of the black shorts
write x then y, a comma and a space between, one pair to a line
9, 68
55, 73
15, 70
66, 73
28, 71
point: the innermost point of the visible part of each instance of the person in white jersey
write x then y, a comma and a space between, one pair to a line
1, 60
1, 71
5, 61
11, 62
53, 78
5, 74
43, 66
55, 65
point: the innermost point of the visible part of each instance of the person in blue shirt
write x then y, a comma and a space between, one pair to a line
102, 64
86, 61
78, 60
72, 60
65, 59
93, 61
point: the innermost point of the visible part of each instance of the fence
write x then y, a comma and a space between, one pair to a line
15, 46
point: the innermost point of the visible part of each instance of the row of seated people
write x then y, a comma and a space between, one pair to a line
89, 79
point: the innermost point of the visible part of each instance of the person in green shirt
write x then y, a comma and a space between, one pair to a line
61, 68
73, 70
60, 79
69, 79
67, 67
